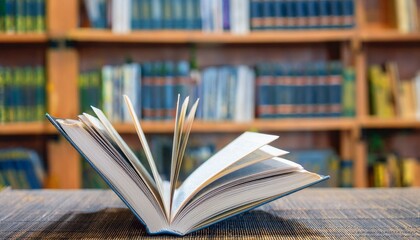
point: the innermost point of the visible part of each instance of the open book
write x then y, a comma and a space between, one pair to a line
246, 173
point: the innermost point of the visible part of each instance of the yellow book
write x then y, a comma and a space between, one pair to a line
407, 99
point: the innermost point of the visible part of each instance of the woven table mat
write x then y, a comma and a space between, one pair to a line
308, 214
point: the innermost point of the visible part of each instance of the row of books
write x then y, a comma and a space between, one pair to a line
396, 168
316, 89
236, 16
22, 94
301, 14
391, 96
226, 92
406, 15
325, 162
21, 169
22, 16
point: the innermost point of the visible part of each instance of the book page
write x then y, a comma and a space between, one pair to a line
183, 144
245, 144
148, 153
114, 138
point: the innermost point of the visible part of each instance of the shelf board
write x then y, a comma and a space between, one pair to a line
22, 128
268, 125
23, 38
389, 123
376, 35
179, 36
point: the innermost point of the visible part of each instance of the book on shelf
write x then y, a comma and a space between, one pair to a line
22, 94
246, 173
391, 95
24, 16
21, 169
216, 16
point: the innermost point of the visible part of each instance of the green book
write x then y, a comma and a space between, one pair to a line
2, 15
19, 94
29, 19
28, 87
39, 93
39, 15
2, 96
9, 17
8, 81
349, 100
20, 16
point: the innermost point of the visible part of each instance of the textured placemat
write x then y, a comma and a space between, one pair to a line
311, 213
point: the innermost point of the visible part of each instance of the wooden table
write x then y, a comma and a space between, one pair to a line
311, 213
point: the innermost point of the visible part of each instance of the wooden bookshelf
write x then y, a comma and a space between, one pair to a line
95, 35
10, 129
388, 35
395, 123
199, 126
353, 47
24, 38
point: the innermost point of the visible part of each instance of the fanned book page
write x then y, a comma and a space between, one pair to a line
243, 175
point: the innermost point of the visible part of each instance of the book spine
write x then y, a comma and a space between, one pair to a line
156, 14
177, 14
189, 14
2, 96
147, 90
279, 14
336, 14
167, 15
348, 93
335, 89
301, 14
135, 14
291, 14
40, 16
348, 13
226, 14
2, 15
324, 13
256, 14
10, 13
266, 92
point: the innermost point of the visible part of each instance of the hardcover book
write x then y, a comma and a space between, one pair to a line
246, 173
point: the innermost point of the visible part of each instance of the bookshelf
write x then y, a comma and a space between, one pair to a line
361, 46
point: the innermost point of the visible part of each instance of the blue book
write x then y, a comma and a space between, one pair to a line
156, 18
198, 21
147, 90
290, 14
321, 90
335, 86
267, 15
169, 94
336, 13
136, 14
261, 182
347, 8
313, 13
10, 16
226, 14
256, 14
280, 14
167, 14
189, 14
177, 14
324, 13
301, 14
266, 92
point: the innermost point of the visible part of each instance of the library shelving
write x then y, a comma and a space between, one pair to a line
76, 48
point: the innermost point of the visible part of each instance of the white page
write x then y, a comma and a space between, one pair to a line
131, 157
245, 144
115, 174
148, 153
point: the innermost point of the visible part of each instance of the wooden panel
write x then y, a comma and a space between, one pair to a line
389, 35
61, 17
373, 122
162, 36
62, 88
22, 128
64, 165
23, 38
360, 165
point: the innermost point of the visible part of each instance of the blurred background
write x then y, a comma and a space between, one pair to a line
337, 80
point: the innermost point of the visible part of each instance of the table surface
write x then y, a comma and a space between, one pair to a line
311, 213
